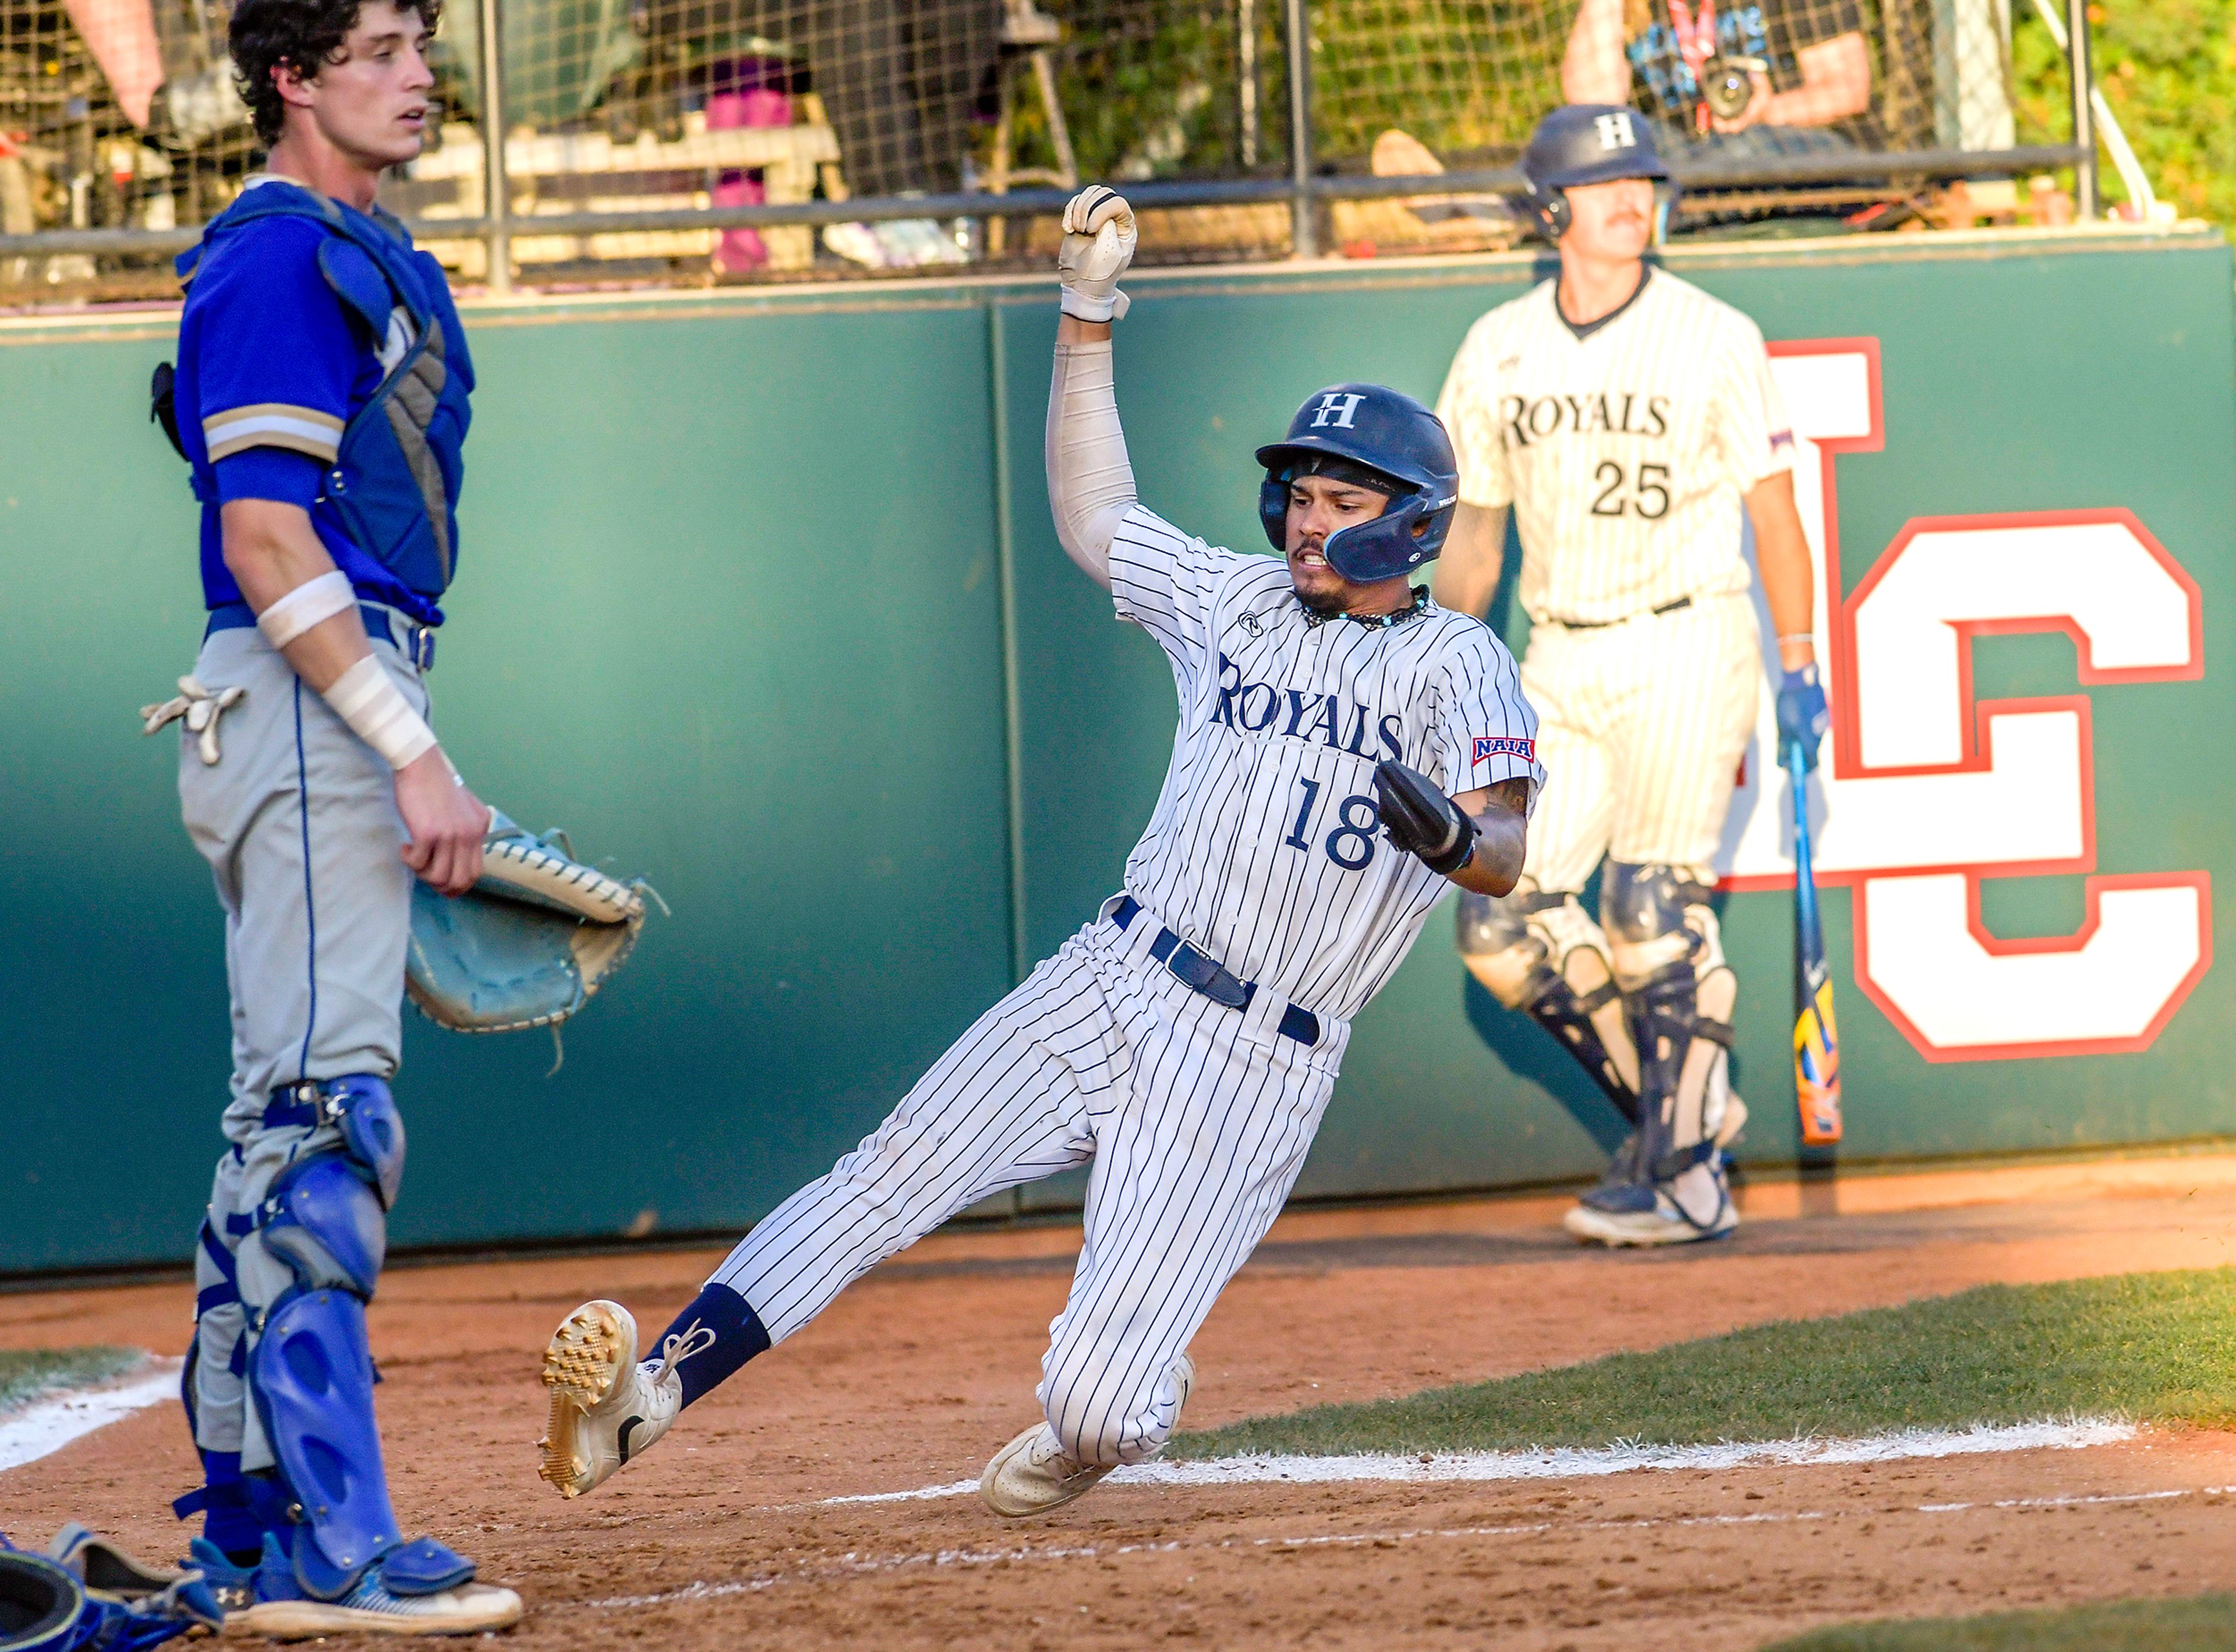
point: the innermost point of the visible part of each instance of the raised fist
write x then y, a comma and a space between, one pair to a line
1098, 245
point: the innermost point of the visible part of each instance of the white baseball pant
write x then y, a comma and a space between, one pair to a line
1196, 1117
1641, 726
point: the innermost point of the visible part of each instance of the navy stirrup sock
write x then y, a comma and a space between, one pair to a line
719, 1314
229, 1518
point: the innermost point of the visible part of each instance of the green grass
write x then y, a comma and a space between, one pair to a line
2204, 1623
2149, 1347
25, 1374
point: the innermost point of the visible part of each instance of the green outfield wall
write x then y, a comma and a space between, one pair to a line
760, 597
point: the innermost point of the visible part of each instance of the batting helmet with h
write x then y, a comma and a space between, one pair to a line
1581, 143
1403, 447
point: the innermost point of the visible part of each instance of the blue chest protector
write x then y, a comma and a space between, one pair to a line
394, 482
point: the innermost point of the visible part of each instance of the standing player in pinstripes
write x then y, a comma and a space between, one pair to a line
1627, 417
1185, 1041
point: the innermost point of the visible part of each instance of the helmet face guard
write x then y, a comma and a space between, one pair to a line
1403, 445
1409, 531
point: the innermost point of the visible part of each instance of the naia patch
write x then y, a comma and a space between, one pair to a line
1489, 745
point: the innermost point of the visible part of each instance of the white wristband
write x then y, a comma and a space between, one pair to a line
308, 604
366, 697
1079, 304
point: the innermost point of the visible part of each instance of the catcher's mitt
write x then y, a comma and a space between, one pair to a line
528, 944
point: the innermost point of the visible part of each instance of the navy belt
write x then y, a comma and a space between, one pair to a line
1602, 625
415, 642
1200, 973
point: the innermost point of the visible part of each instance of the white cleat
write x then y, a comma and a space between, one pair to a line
470, 1608
1031, 1474
1663, 1225
606, 1406
1692, 1206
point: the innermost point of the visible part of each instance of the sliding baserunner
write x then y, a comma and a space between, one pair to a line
1345, 747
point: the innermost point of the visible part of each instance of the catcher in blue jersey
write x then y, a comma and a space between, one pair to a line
321, 398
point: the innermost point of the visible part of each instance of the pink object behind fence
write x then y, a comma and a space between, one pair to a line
739, 250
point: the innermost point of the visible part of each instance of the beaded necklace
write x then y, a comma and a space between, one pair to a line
1318, 617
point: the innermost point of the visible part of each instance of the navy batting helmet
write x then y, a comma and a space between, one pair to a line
1401, 443
1581, 143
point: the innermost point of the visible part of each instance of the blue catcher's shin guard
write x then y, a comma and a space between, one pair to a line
312, 1378
326, 1224
311, 1372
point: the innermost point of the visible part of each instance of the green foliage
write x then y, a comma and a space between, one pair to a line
2204, 1623
25, 1374
1469, 78
2168, 68
1154, 88
2146, 1347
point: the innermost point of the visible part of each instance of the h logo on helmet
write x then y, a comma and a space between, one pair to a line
1615, 131
1337, 409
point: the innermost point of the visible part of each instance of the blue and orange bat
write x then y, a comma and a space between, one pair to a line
1816, 1039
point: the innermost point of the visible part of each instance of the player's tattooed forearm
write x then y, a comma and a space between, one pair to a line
1509, 797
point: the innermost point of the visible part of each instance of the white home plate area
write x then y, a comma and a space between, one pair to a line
52, 1422
1575, 1463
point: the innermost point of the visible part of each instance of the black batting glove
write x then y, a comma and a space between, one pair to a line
1421, 820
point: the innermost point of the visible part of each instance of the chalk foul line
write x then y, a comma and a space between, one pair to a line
47, 1425
1576, 1463
856, 1564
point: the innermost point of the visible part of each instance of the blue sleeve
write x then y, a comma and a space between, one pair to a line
278, 354
274, 473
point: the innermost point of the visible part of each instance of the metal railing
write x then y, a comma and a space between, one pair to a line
1315, 197
1301, 196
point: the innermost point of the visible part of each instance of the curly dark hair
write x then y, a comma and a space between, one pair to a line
301, 35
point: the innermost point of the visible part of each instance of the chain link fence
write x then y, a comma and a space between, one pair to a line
707, 141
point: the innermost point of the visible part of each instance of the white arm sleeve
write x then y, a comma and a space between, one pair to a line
1090, 481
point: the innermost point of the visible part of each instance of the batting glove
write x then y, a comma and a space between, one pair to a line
1098, 245
1421, 819
1801, 713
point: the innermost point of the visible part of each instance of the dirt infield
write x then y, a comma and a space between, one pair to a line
720, 1538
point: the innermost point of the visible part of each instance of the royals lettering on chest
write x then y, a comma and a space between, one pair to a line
1527, 419
1305, 714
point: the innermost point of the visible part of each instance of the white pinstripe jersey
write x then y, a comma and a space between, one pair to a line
1264, 849
1623, 452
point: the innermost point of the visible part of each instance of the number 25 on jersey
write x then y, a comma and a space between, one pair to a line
1621, 494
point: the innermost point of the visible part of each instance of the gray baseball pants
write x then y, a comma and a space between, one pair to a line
297, 821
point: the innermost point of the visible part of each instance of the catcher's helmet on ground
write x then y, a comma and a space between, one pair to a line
1347, 429
1581, 143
